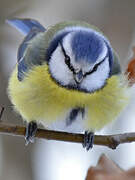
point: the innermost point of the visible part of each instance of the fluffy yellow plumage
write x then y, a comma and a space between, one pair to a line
38, 98
68, 78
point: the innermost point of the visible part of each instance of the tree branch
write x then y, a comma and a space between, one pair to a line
111, 141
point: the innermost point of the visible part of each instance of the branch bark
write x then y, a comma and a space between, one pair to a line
111, 141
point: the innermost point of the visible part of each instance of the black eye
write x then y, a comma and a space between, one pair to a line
94, 68
67, 60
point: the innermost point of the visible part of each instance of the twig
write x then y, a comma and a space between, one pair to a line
111, 141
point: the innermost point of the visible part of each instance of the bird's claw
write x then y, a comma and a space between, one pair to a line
88, 140
31, 130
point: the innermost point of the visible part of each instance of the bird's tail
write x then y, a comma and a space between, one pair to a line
25, 26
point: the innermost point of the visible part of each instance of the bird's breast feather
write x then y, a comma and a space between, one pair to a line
38, 97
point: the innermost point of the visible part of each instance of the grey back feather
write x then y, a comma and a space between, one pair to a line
116, 68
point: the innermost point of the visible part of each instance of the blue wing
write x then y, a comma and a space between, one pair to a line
24, 44
22, 65
25, 25
30, 28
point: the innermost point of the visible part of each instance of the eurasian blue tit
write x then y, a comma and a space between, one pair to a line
67, 77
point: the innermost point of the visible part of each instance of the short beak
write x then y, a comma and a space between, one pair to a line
78, 76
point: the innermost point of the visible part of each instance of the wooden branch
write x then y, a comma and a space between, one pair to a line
111, 141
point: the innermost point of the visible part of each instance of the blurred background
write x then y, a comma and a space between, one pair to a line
49, 160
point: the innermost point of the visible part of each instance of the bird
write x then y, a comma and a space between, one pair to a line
67, 77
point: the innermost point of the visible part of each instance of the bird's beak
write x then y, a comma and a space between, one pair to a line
78, 76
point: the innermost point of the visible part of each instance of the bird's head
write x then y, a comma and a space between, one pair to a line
80, 59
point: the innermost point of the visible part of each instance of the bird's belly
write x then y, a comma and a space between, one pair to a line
38, 98
73, 122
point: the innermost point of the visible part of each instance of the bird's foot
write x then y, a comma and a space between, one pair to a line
88, 140
31, 130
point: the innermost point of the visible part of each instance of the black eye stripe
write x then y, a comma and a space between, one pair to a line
63, 50
95, 67
67, 58
67, 61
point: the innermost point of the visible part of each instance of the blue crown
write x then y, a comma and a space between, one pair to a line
87, 46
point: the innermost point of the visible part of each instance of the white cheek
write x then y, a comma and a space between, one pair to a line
103, 54
67, 45
97, 79
59, 69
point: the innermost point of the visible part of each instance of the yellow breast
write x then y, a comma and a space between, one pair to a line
37, 97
